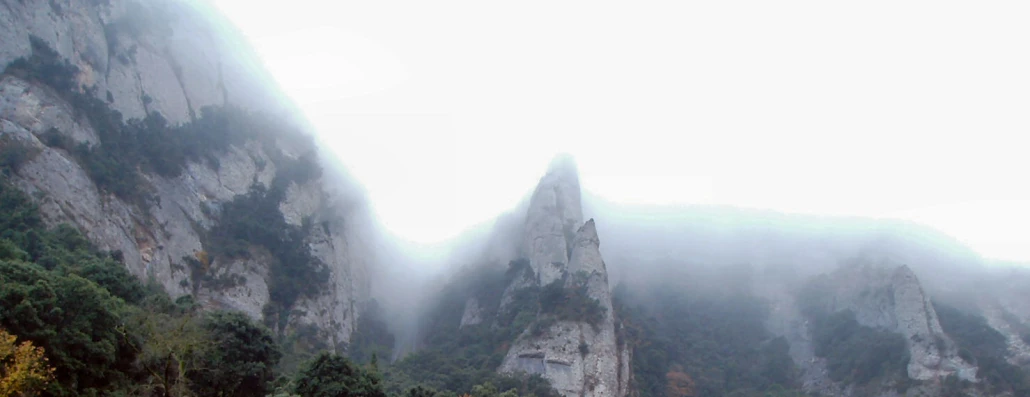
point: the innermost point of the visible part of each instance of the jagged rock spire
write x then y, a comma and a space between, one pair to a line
554, 215
579, 357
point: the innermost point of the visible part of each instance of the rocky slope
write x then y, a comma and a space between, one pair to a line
889, 277
579, 358
174, 58
883, 296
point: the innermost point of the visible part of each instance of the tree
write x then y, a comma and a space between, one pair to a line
331, 375
23, 368
171, 349
419, 391
240, 359
678, 383
75, 320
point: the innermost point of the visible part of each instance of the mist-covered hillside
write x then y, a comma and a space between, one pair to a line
170, 225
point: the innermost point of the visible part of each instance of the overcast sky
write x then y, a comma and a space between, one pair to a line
448, 112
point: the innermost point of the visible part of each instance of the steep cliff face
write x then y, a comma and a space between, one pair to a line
579, 357
1006, 308
554, 215
891, 298
174, 59
881, 295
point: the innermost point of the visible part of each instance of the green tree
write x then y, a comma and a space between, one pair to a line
240, 359
331, 375
172, 347
73, 319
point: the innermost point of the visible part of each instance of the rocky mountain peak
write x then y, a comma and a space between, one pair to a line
554, 215
565, 166
579, 356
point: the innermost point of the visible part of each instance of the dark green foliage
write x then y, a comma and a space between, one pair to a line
254, 219
46, 66
718, 343
855, 353
330, 375
56, 291
984, 346
75, 320
14, 153
419, 391
865, 357
241, 360
100, 327
571, 301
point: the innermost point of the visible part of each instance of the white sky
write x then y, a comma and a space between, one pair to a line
449, 111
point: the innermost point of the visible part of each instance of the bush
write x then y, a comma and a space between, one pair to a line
571, 303
254, 219
330, 375
14, 154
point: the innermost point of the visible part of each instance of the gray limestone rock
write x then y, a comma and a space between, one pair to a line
578, 358
553, 216
890, 297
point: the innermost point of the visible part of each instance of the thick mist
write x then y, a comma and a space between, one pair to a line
714, 251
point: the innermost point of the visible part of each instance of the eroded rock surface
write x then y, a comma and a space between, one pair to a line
579, 358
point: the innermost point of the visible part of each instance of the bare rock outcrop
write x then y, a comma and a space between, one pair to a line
578, 357
554, 214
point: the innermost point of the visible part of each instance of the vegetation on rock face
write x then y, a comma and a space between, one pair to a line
456, 360
254, 220
856, 354
864, 357
105, 333
571, 301
980, 344
688, 344
128, 149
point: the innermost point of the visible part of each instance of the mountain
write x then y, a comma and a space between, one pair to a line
579, 353
153, 128
156, 185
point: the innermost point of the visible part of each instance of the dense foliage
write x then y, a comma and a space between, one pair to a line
982, 345
104, 332
856, 354
690, 344
569, 300
330, 375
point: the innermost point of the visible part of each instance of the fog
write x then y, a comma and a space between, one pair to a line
447, 113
